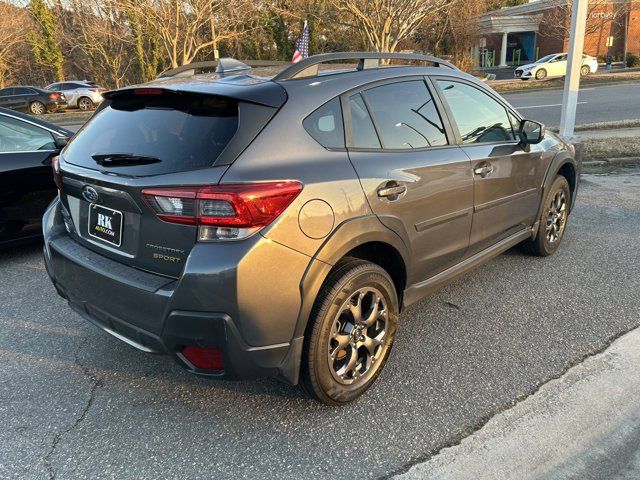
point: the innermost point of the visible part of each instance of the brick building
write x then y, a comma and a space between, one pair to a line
524, 33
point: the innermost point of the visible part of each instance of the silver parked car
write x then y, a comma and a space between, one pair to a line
80, 94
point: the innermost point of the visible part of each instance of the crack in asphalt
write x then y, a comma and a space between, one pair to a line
481, 422
57, 438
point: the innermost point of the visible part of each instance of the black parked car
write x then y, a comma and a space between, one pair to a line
27, 146
34, 100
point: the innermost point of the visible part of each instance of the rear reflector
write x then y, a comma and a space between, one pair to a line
223, 212
204, 358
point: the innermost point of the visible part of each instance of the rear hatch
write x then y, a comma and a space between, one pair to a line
144, 139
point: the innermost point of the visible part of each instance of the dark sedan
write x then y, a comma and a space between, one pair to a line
34, 100
27, 146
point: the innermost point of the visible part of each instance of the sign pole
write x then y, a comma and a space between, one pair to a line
574, 62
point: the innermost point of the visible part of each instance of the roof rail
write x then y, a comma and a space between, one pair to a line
366, 60
221, 66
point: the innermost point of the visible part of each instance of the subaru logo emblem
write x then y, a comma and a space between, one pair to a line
90, 194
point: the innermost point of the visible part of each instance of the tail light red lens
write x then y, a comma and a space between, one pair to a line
57, 177
223, 212
204, 358
54, 96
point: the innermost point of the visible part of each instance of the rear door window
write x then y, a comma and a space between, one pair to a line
363, 133
325, 125
405, 115
163, 133
18, 136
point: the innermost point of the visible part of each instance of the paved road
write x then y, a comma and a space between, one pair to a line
76, 403
595, 104
599, 433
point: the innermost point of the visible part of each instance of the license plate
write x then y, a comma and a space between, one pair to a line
105, 224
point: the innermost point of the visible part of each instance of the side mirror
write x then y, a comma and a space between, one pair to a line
531, 132
60, 142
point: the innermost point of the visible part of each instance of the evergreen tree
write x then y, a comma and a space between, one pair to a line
43, 41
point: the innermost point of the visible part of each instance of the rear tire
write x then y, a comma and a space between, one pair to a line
541, 74
350, 332
37, 108
85, 104
553, 221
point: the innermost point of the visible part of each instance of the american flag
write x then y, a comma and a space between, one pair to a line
302, 46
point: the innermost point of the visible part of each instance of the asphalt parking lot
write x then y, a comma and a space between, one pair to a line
76, 403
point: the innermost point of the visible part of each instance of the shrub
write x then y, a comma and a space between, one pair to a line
633, 60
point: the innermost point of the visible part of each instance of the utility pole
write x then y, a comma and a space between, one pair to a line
212, 25
574, 62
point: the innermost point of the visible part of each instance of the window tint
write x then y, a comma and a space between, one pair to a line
54, 88
479, 117
363, 133
22, 91
406, 116
17, 136
325, 125
183, 131
6, 91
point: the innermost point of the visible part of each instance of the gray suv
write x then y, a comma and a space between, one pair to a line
277, 226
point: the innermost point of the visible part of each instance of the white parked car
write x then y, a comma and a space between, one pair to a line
80, 94
554, 65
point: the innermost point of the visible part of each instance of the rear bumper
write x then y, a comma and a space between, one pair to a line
146, 310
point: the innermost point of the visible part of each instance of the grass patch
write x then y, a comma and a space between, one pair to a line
603, 79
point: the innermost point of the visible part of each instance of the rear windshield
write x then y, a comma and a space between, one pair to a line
162, 133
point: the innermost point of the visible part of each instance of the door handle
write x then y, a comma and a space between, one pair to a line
391, 190
484, 170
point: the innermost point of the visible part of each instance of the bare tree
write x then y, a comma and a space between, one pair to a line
388, 22
599, 14
100, 32
14, 25
188, 27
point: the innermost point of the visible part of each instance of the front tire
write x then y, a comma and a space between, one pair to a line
541, 74
350, 332
37, 108
585, 70
553, 221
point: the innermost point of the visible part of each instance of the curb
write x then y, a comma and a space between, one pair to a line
609, 165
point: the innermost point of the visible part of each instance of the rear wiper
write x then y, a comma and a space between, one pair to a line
123, 159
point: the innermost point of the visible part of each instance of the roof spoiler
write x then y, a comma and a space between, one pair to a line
223, 66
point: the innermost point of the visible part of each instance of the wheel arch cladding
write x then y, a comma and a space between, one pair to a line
365, 238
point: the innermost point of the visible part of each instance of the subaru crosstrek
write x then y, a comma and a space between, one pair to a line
277, 226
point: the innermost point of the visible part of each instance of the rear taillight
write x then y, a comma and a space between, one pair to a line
55, 166
54, 96
223, 212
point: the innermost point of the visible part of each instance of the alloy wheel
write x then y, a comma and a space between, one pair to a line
84, 104
556, 217
358, 337
37, 108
